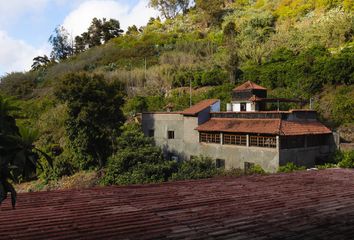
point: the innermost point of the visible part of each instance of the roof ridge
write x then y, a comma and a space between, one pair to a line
200, 106
249, 85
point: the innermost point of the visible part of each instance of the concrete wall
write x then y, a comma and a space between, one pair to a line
303, 156
236, 107
236, 156
250, 106
161, 124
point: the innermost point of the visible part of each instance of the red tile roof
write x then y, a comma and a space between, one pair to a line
249, 85
303, 128
263, 126
197, 108
301, 205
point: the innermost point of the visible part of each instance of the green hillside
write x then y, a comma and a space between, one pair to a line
295, 48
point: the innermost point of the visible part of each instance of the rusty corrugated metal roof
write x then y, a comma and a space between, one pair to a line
302, 205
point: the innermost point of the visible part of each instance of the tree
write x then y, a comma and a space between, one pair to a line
40, 62
60, 40
100, 31
170, 8
213, 8
132, 30
110, 29
18, 156
94, 33
81, 42
137, 104
94, 116
137, 160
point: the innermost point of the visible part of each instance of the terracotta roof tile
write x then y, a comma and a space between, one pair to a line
195, 109
303, 128
249, 85
263, 126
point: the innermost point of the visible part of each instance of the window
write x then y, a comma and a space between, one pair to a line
248, 166
234, 139
220, 163
151, 133
209, 137
243, 107
263, 141
171, 134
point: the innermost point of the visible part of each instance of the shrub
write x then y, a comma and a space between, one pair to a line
290, 167
326, 165
66, 164
214, 77
197, 168
336, 157
137, 104
137, 160
256, 169
348, 160
18, 84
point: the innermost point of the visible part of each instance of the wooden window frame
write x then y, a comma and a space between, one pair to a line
209, 137
263, 141
234, 139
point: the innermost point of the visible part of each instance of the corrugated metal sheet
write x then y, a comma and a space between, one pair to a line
303, 205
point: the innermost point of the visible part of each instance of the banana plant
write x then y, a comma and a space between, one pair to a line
18, 156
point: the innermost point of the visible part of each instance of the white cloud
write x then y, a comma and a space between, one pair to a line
12, 10
79, 20
16, 55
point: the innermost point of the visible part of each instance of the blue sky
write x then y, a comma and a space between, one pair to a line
25, 25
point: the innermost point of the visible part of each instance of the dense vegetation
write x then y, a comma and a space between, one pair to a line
77, 100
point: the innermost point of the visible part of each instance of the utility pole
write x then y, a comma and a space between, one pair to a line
145, 67
278, 104
190, 92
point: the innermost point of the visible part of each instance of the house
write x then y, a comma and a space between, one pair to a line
244, 135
